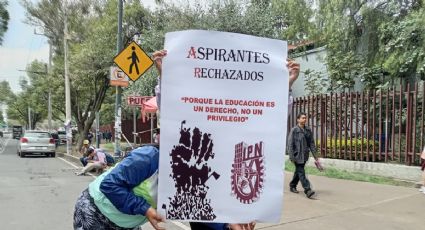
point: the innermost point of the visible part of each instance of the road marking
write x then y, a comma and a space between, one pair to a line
3, 144
73, 165
178, 224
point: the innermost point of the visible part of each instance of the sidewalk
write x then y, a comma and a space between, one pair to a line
351, 205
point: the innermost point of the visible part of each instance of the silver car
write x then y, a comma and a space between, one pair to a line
37, 142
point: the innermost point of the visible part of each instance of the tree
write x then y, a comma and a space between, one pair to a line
6, 93
91, 50
33, 96
402, 43
370, 39
4, 19
315, 82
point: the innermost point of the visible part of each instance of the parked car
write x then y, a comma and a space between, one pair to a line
62, 137
37, 143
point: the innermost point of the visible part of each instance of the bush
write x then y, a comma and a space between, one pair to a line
333, 146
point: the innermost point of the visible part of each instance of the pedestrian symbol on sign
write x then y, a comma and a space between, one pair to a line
134, 60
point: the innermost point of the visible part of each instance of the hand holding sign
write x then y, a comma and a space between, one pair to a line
157, 58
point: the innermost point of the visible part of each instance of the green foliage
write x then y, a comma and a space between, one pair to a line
347, 144
1, 116
6, 93
315, 82
34, 96
402, 43
375, 41
337, 147
4, 19
372, 41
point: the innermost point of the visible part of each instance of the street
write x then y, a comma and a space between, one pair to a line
36, 192
40, 192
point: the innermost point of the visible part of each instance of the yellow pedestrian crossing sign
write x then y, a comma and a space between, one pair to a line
133, 61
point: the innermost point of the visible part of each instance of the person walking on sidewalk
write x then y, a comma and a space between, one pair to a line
300, 144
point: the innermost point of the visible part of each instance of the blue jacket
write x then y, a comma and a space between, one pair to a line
117, 186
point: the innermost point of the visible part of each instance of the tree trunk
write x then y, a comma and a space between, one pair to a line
84, 120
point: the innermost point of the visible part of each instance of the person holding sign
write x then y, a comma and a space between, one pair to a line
293, 68
124, 197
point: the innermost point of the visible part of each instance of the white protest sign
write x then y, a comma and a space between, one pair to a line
223, 127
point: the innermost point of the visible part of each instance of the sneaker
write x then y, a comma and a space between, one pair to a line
310, 193
294, 190
422, 189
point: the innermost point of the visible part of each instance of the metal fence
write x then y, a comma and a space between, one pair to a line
383, 125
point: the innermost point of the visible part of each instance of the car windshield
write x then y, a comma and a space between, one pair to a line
61, 133
37, 135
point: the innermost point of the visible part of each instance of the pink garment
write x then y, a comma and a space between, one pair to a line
101, 157
149, 106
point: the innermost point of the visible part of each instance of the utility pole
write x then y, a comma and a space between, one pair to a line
29, 118
49, 106
97, 129
134, 127
47, 72
118, 89
67, 89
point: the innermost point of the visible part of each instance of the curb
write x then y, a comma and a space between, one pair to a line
70, 158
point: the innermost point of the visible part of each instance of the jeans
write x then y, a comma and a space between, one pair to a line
84, 161
299, 175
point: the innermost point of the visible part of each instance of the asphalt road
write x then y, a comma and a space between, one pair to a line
36, 192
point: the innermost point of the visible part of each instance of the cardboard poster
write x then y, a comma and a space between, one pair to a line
223, 127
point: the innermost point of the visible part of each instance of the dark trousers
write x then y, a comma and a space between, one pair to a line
84, 161
299, 175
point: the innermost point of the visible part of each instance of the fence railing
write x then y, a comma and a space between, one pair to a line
383, 125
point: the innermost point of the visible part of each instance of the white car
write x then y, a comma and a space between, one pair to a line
38, 143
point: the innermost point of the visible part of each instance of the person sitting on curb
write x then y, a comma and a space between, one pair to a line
98, 162
85, 152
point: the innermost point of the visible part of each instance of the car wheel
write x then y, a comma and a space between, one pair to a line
22, 155
52, 154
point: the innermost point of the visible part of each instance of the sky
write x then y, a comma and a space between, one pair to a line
21, 46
